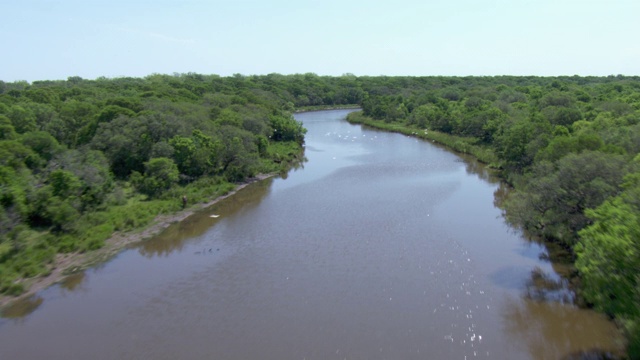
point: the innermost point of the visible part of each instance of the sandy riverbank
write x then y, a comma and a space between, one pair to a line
66, 264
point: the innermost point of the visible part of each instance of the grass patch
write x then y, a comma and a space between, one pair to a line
325, 107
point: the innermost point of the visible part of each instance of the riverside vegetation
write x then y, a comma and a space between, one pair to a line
81, 159
84, 158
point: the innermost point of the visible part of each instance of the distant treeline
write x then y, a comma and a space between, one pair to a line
80, 159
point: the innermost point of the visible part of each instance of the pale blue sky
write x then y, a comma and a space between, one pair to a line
55, 39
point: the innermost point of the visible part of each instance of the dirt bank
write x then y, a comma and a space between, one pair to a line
66, 264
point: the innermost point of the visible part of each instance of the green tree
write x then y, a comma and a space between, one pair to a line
23, 120
609, 256
64, 184
107, 114
432, 116
128, 142
195, 155
63, 215
238, 153
7, 131
92, 169
512, 143
553, 201
560, 146
286, 128
42, 143
160, 175
16, 155
75, 120
15, 184
562, 115
229, 117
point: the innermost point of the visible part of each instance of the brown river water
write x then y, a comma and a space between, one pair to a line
380, 246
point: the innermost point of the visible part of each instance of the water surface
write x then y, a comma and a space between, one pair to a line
380, 246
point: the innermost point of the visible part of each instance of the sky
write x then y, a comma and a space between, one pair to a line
55, 39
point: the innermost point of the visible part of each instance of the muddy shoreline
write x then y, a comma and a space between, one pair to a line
67, 264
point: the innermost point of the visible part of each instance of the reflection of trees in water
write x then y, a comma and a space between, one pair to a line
175, 236
474, 167
21, 308
294, 167
543, 287
73, 282
551, 330
500, 195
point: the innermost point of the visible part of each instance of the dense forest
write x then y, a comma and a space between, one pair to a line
84, 158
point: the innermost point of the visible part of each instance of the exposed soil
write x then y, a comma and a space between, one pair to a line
65, 264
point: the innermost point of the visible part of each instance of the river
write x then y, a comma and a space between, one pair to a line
380, 246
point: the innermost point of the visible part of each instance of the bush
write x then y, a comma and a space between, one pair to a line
160, 175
